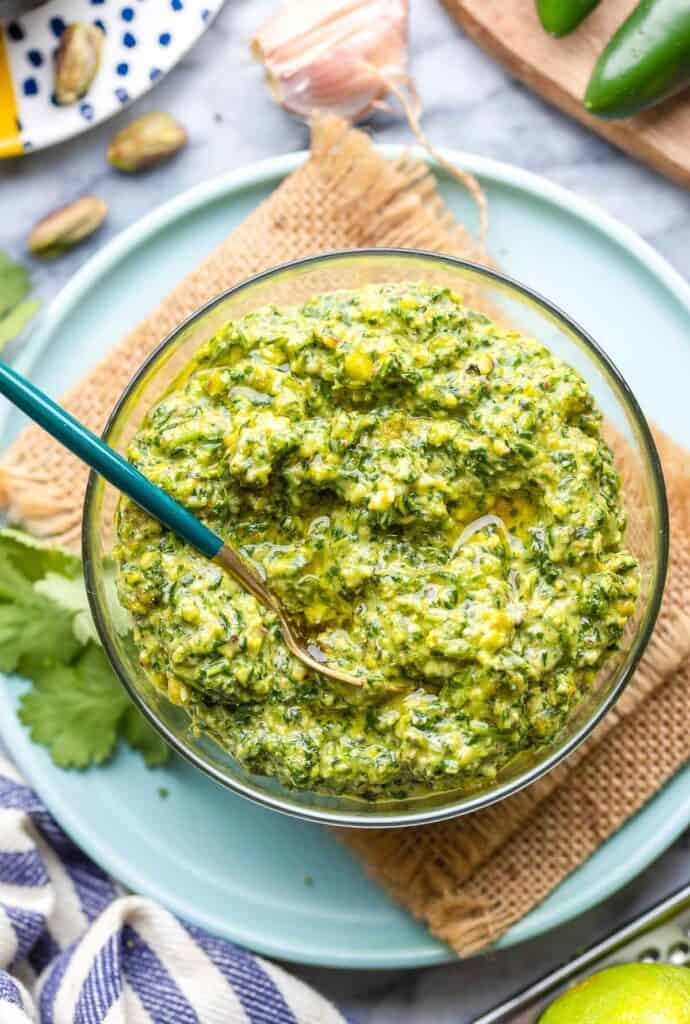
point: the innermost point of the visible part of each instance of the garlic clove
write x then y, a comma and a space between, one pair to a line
343, 57
336, 56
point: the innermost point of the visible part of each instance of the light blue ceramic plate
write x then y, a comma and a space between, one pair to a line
269, 882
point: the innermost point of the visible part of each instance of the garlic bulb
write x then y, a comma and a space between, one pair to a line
338, 56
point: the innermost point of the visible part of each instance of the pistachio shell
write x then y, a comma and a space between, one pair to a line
148, 140
67, 226
77, 61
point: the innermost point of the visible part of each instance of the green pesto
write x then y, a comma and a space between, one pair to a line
429, 492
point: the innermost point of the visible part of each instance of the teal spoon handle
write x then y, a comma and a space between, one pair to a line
112, 467
106, 461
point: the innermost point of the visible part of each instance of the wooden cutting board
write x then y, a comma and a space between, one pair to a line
559, 69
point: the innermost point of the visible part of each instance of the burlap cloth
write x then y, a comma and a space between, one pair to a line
468, 879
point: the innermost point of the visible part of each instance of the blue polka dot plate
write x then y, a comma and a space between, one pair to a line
144, 39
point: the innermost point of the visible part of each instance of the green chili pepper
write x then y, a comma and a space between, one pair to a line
647, 60
561, 16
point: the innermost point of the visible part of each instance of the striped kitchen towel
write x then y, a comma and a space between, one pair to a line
76, 949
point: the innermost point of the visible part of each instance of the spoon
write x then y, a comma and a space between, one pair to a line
122, 475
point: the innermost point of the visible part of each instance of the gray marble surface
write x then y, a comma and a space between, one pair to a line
470, 104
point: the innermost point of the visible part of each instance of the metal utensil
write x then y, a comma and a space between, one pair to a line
659, 935
121, 474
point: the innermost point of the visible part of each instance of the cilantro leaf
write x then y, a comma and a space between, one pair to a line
70, 594
14, 586
16, 320
139, 734
75, 710
15, 309
77, 706
34, 559
14, 283
30, 623
43, 612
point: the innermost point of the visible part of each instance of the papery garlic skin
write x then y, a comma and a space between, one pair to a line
335, 56
343, 57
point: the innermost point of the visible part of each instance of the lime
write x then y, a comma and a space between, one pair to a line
629, 994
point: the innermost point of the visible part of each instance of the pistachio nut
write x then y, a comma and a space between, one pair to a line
77, 61
67, 226
148, 140
480, 364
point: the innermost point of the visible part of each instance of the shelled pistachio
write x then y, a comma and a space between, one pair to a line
77, 61
67, 226
148, 140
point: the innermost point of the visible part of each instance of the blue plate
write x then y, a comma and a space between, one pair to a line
269, 882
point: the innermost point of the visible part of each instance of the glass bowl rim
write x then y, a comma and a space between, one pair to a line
473, 801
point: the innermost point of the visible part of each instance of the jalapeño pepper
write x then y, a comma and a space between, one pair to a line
646, 60
562, 16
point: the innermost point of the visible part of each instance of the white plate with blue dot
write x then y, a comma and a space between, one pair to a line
144, 39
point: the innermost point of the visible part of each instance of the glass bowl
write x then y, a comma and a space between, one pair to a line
505, 300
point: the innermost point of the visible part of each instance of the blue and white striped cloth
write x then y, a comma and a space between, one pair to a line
76, 949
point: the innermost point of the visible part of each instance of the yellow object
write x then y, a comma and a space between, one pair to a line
358, 365
628, 994
10, 139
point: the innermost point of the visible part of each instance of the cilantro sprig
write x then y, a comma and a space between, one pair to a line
15, 308
76, 706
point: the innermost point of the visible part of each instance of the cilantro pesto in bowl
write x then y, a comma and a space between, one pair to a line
433, 496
